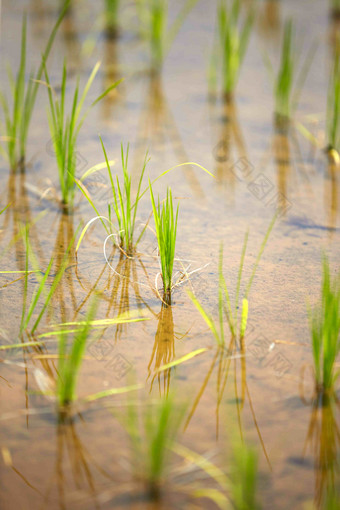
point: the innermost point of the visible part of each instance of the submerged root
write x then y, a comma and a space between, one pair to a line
181, 275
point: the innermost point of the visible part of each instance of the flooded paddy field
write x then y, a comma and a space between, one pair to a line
163, 412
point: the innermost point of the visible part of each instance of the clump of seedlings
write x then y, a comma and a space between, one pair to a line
153, 17
18, 112
120, 222
225, 309
124, 206
166, 230
333, 108
65, 127
152, 433
288, 82
230, 46
324, 321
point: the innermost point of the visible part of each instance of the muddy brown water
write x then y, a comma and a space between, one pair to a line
86, 462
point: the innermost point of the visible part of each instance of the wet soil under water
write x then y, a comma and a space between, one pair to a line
85, 463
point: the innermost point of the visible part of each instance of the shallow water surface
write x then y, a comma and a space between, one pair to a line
84, 461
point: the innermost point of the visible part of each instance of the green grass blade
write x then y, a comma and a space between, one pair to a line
208, 320
262, 247
35, 300
239, 276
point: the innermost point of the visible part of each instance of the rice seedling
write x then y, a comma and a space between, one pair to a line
335, 7
225, 309
243, 476
120, 222
324, 321
238, 488
70, 357
152, 434
230, 45
64, 129
284, 82
333, 107
166, 231
288, 82
124, 207
17, 122
111, 17
153, 17
332, 498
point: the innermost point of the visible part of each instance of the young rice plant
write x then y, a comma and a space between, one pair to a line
288, 82
166, 231
243, 476
70, 360
333, 106
18, 115
111, 17
153, 17
225, 309
71, 354
324, 322
123, 209
152, 436
230, 45
65, 127
120, 222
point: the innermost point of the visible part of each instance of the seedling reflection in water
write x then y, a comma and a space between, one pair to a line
232, 350
163, 351
323, 441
